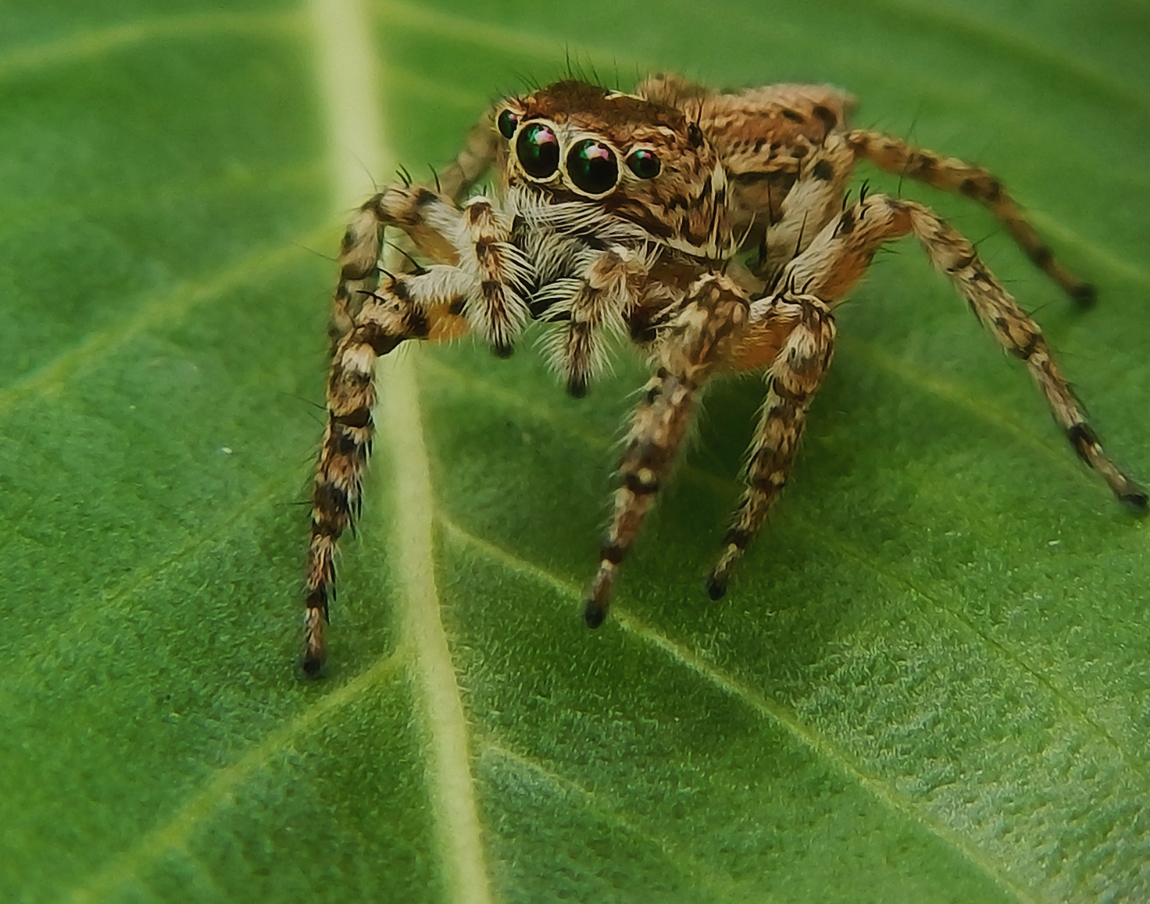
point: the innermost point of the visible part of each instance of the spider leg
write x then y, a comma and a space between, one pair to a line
473, 241
795, 374
477, 284
475, 158
698, 340
840, 255
671, 89
589, 306
954, 175
385, 319
815, 198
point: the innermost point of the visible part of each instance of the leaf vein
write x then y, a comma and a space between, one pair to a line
347, 74
176, 832
101, 42
685, 863
819, 534
123, 596
763, 706
164, 310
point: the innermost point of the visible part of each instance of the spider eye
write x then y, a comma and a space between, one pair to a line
507, 123
644, 163
592, 167
538, 151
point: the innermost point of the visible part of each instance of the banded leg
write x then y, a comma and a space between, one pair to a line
842, 252
380, 325
471, 245
1022, 337
793, 378
479, 151
698, 340
385, 319
815, 199
588, 307
954, 175
497, 311
359, 254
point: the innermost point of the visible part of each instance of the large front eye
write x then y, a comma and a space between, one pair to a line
592, 167
538, 151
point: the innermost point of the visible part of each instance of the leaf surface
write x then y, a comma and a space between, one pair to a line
928, 682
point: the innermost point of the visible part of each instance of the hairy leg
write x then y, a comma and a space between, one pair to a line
794, 376
954, 175
473, 248
842, 252
590, 306
386, 318
699, 339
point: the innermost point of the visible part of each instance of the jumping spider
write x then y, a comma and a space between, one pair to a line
712, 228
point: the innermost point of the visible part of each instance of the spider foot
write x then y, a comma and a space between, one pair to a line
721, 573
599, 598
1135, 499
312, 664
315, 647
1084, 294
716, 586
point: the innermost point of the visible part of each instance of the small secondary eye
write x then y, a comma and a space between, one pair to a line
538, 151
507, 123
644, 163
592, 167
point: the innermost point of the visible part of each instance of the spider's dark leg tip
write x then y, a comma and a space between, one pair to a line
1084, 294
502, 351
1136, 501
716, 589
594, 614
577, 389
312, 665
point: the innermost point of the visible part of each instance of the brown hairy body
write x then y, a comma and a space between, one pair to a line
709, 228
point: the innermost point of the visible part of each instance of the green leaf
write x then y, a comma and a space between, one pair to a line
929, 681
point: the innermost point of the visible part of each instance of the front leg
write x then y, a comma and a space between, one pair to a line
385, 319
477, 284
473, 243
589, 306
700, 338
795, 374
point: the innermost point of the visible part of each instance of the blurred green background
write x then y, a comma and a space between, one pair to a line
929, 681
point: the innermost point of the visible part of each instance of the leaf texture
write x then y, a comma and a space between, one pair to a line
929, 680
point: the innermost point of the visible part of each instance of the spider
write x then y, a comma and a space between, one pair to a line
710, 228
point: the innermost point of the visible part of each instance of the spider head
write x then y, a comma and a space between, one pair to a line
639, 160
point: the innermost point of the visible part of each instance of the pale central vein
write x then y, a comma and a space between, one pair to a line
349, 80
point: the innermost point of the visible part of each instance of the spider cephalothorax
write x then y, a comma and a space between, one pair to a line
710, 228
641, 160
